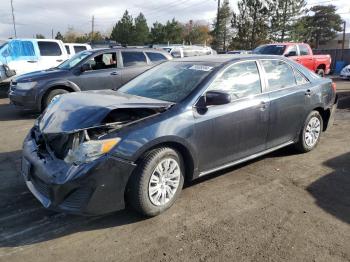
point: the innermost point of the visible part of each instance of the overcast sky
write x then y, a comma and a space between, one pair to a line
41, 16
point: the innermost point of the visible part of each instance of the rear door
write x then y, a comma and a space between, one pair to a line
230, 132
104, 73
287, 89
134, 63
51, 54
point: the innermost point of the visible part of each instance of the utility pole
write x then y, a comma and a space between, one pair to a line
92, 29
343, 43
13, 19
217, 23
52, 33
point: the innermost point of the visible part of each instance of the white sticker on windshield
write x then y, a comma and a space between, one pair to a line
201, 68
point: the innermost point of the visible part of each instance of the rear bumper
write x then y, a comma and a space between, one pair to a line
332, 115
94, 188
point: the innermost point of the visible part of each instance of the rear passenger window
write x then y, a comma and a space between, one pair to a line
67, 49
134, 59
155, 56
279, 74
240, 80
49, 48
79, 48
301, 80
304, 50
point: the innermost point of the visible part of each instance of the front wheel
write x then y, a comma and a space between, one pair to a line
320, 72
52, 96
311, 132
157, 182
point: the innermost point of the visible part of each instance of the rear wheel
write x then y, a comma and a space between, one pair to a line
320, 72
52, 96
157, 182
311, 132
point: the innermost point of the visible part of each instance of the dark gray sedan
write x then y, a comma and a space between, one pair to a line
88, 70
93, 152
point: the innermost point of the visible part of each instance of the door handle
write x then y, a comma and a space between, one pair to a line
308, 92
32, 61
59, 60
115, 73
263, 106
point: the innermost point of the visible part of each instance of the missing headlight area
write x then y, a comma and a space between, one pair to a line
66, 143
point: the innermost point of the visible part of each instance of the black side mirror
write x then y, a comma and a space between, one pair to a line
85, 67
215, 98
291, 53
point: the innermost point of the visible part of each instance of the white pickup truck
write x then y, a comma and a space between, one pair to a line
73, 48
20, 56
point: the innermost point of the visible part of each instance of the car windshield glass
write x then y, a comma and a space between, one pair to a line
270, 50
74, 60
171, 81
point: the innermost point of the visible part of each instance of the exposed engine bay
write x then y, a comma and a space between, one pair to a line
62, 144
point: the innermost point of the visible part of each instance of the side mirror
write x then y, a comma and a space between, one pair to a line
291, 53
85, 67
215, 98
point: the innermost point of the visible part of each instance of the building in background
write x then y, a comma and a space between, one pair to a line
336, 43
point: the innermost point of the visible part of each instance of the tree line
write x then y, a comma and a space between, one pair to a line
256, 22
250, 24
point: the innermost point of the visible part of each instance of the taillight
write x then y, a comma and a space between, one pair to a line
334, 86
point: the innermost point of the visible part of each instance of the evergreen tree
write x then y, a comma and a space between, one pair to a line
250, 24
283, 15
123, 31
59, 36
222, 30
157, 33
141, 34
173, 32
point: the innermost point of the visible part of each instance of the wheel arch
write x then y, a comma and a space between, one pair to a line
325, 114
68, 86
182, 148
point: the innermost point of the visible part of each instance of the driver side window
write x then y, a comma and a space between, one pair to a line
103, 61
240, 80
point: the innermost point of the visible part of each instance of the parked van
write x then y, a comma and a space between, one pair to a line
73, 48
19, 56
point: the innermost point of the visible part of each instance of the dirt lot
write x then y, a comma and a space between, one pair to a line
284, 206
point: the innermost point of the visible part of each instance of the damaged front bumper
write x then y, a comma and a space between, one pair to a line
92, 188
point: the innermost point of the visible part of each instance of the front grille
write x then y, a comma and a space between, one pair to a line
77, 199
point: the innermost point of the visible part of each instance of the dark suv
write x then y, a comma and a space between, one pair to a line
87, 70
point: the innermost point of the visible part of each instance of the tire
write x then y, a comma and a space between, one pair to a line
320, 72
311, 133
51, 95
140, 195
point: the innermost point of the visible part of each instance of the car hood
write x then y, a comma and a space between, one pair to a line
42, 74
77, 111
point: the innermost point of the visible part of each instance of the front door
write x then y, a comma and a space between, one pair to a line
230, 132
103, 73
51, 54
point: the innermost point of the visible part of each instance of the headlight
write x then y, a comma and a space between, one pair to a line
90, 150
25, 85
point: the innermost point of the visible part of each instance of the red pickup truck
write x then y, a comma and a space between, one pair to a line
299, 52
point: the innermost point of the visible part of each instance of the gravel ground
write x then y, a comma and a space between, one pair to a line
284, 206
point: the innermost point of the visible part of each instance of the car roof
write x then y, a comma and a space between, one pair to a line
142, 49
224, 58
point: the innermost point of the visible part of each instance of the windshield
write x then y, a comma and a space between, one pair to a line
74, 60
171, 81
270, 49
